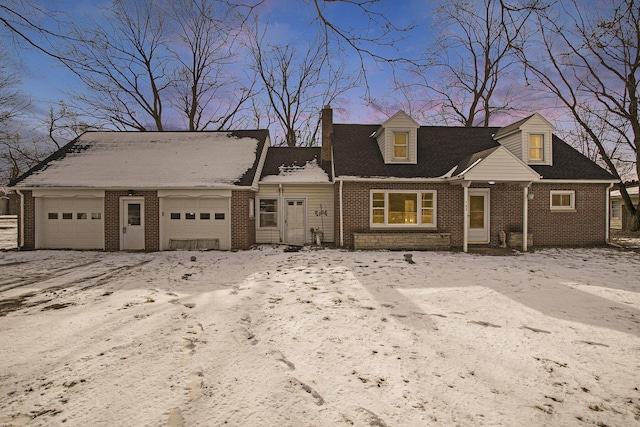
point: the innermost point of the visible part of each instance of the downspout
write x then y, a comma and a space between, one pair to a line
281, 210
21, 240
341, 216
465, 238
607, 232
525, 220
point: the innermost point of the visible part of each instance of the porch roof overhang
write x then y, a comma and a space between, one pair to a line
496, 165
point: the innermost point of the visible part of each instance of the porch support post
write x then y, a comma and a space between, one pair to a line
525, 218
465, 239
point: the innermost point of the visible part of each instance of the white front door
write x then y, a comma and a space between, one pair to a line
132, 224
478, 216
295, 230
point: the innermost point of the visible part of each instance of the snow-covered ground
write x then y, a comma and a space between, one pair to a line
319, 338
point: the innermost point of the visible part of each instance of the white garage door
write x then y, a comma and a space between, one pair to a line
188, 219
71, 223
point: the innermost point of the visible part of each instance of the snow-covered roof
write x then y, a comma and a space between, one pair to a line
149, 159
311, 172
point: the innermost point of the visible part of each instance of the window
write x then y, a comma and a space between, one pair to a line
615, 209
268, 212
190, 215
96, 215
403, 208
400, 145
67, 215
205, 215
52, 215
218, 216
536, 147
175, 215
81, 215
563, 200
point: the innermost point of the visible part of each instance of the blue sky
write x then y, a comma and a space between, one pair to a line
46, 81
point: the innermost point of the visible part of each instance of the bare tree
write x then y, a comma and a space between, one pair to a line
468, 74
591, 63
209, 92
297, 85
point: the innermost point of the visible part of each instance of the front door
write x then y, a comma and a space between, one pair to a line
132, 222
478, 216
294, 222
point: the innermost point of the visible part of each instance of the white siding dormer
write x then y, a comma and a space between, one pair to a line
530, 139
398, 139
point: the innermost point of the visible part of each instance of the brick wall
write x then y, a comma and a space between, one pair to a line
29, 221
585, 226
243, 228
112, 219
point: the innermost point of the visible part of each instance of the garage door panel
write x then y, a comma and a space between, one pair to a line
72, 223
195, 218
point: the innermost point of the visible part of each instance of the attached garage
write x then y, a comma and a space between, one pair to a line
70, 222
196, 222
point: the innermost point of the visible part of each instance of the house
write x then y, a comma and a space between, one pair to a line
618, 211
395, 185
144, 191
401, 185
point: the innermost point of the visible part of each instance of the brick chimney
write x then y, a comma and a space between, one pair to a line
327, 133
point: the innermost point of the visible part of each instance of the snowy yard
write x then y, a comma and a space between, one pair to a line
320, 338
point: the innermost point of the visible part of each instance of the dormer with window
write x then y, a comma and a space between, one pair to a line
398, 139
530, 139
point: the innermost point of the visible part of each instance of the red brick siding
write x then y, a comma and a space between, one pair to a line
112, 219
29, 221
243, 228
585, 226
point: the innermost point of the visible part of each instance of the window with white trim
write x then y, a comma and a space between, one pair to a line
399, 208
615, 209
536, 147
268, 215
401, 145
563, 200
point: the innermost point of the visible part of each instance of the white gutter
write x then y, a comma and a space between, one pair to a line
341, 216
21, 241
607, 232
281, 208
465, 239
525, 220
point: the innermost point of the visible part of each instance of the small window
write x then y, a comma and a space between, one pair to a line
205, 215
52, 215
563, 200
219, 216
96, 215
67, 215
400, 145
536, 147
81, 215
190, 215
175, 215
268, 213
615, 209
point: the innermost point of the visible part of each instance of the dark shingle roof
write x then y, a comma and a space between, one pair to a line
568, 163
291, 156
441, 149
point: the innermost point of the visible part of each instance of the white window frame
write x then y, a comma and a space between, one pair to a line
407, 136
259, 213
419, 208
572, 205
542, 148
615, 210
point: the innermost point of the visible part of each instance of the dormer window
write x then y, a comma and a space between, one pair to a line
400, 145
536, 147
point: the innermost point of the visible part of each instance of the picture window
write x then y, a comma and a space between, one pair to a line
403, 208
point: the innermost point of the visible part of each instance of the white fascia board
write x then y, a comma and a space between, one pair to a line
578, 181
387, 179
261, 162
